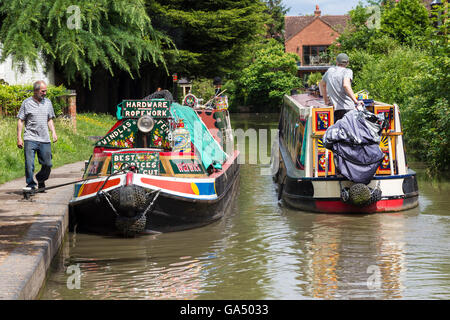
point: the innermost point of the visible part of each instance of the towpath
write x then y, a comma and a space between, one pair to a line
32, 231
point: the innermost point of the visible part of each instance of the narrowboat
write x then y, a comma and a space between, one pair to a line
162, 167
313, 174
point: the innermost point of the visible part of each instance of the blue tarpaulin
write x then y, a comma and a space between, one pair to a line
210, 150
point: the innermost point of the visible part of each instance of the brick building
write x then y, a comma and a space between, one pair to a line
310, 36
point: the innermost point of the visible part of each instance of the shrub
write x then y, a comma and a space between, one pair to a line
391, 78
413, 80
203, 88
314, 79
406, 61
271, 75
11, 97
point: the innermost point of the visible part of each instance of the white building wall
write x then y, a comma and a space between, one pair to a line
12, 75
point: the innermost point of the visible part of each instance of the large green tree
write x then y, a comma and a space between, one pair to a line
275, 26
212, 37
406, 21
406, 61
271, 75
80, 36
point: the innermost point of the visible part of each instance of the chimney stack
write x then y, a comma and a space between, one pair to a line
317, 12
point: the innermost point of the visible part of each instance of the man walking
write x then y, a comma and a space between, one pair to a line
336, 83
37, 114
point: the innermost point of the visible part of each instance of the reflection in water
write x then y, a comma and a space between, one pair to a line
346, 255
133, 268
324, 255
391, 248
264, 250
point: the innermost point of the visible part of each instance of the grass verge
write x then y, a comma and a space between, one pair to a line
71, 146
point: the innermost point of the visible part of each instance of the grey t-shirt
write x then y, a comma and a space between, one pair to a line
334, 78
36, 115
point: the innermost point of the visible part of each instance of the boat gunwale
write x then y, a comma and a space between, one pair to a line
312, 198
74, 201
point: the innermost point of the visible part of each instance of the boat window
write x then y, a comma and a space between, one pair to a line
299, 144
95, 165
292, 129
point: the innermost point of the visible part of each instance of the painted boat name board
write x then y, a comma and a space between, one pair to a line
186, 166
145, 162
139, 108
127, 135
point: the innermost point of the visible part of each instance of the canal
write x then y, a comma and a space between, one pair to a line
263, 250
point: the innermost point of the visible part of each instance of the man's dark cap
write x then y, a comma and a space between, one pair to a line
342, 58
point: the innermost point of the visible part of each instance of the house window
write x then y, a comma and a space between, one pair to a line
314, 55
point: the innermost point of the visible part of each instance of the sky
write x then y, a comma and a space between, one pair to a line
328, 7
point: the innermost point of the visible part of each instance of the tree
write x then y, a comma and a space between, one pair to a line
112, 35
275, 26
271, 75
407, 64
357, 33
403, 22
212, 37
406, 21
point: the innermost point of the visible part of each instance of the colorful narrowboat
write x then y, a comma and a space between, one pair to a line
162, 167
313, 176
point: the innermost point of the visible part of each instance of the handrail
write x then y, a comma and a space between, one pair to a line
384, 134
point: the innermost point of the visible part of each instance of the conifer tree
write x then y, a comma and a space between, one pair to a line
212, 37
276, 10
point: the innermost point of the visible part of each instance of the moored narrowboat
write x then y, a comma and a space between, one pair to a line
321, 167
162, 167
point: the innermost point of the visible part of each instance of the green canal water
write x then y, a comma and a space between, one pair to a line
263, 250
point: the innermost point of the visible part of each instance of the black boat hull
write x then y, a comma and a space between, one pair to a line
170, 213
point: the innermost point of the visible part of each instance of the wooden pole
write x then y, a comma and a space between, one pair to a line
72, 109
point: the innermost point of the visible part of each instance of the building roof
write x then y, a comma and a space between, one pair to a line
295, 24
184, 81
338, 23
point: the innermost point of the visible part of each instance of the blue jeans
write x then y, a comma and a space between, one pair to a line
44, 153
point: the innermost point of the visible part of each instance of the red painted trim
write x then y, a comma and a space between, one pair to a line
118, 123
110, 151
184, 187
169, 154
129, 178
92, 187
341, 207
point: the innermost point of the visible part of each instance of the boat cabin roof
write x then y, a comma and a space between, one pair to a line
307, 100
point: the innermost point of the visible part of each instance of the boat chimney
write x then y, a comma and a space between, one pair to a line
317, 12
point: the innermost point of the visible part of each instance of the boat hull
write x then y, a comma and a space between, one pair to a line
181, 203
308, 175
398, 193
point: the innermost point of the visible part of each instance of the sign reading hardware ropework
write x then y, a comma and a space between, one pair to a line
145, 162
139, 108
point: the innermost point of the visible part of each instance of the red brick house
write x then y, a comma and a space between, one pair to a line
310, 36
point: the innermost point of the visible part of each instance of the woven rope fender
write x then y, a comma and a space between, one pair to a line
360, 195
129, 227
132, 215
